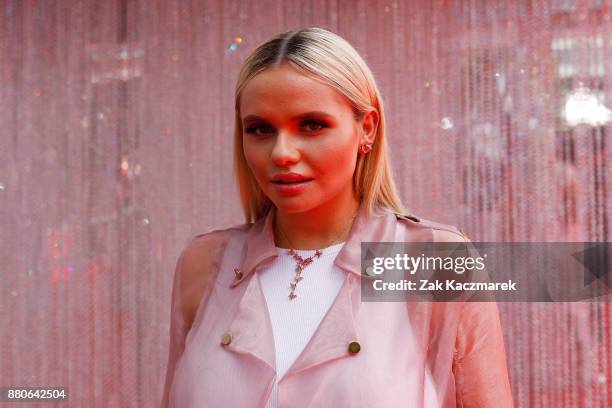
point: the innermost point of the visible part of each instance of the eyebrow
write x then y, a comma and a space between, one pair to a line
300, 116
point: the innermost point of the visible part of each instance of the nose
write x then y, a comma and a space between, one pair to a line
285, 150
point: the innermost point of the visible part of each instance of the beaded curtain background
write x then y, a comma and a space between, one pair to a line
117, 142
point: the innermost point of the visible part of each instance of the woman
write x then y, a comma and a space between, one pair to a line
268, 313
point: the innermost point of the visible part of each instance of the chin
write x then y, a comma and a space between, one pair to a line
291, 204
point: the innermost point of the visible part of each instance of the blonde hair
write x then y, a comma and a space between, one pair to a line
325, 56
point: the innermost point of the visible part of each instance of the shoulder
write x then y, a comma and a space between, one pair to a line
200, 261
204, 244
203, 252
438, 232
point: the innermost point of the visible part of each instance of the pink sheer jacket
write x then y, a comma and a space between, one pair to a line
412, 354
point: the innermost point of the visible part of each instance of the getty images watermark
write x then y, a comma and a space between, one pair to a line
486, 271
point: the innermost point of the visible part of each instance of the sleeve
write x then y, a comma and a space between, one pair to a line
479, 359
479, 364
178, 330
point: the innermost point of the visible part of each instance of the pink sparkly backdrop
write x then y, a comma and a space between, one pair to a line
116, 121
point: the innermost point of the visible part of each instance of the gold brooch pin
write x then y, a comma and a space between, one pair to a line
238, 273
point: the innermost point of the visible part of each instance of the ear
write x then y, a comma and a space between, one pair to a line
369, 124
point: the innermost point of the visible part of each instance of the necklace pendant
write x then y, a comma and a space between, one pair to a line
301, 264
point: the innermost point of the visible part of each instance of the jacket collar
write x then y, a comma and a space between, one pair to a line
251, 327
366, 228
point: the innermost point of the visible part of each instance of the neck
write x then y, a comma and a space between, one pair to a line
316, 228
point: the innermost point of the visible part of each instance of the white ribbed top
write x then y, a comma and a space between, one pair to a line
295, 321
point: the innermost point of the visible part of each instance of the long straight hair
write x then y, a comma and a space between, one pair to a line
328, 57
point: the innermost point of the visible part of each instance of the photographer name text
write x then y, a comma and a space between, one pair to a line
427, 285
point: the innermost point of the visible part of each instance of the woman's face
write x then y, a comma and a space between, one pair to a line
295, 124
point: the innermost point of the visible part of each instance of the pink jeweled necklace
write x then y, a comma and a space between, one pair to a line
301, 262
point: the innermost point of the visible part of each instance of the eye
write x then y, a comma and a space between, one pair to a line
309, 125
318, 125
253, 129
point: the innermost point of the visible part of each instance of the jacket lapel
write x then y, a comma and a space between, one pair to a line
331, 338
251, 328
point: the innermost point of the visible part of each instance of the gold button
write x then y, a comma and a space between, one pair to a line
238, 273
226, 338
354, 347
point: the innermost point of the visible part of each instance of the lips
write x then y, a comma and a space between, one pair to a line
289, 178
290, 182
291, 188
